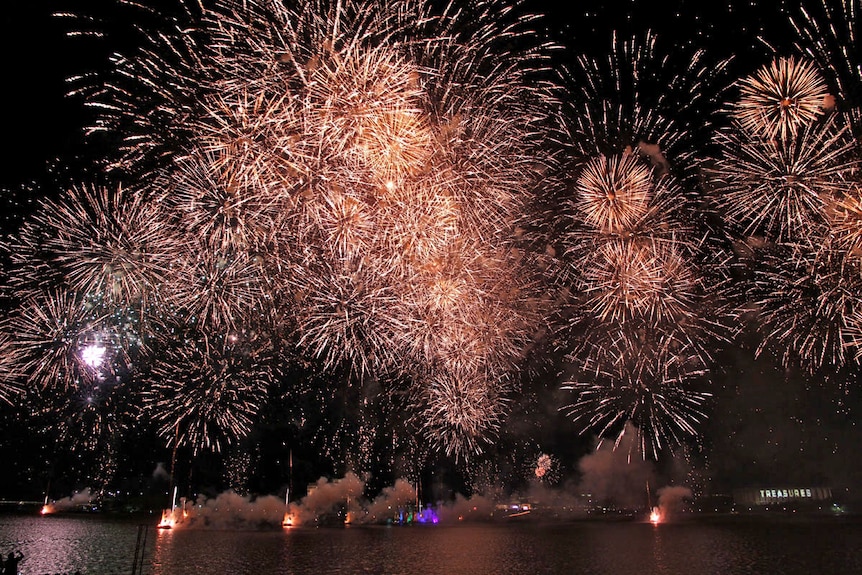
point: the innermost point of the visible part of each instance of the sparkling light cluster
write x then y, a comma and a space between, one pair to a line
347, 188
780, 98
335, 182
786, 184
634, 249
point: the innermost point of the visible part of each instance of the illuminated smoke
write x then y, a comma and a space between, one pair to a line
671, 500
74, 502
611, 476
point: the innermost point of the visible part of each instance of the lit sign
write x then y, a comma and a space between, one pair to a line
785, 493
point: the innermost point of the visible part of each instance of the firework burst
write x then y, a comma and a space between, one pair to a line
111, 244
347, 316
646, 394
780, 99
54, 336
780, 189
473, 311
640, 266
828, 35
805, 303
547, 469
640, 325
206, 393
460, 415
217, 291
366, 101
219, 206
365, 162
614, 193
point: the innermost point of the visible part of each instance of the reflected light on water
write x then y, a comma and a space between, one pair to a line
96, 544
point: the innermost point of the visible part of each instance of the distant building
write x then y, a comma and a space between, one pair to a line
781, 496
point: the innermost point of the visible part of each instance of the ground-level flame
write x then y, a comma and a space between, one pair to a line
167, 521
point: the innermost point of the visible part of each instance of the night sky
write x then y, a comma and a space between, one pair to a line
769, 424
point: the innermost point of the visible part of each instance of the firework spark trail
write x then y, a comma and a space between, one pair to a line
642, 96
663, 410
11, 387
779, 99
217, 291
206, 393
845, 221
628, 280
854, 333
109, 243
780, 188
828, 35
805, 303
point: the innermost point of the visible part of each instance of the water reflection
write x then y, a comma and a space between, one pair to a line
67, 543
95, 545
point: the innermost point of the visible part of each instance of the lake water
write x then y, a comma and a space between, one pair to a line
96, 545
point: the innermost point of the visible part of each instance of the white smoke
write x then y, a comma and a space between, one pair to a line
230, 510
75, 501
327, 502
161, 473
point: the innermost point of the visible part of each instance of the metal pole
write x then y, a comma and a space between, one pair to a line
137, 547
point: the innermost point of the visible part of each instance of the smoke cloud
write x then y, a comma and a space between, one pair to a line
230, 510
74, 502
671, 500
610, 475
161, 473
328, 502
